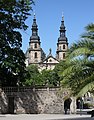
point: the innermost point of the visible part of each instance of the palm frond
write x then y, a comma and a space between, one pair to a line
80, 52
89, 32
90, 27
88, 87
78, 71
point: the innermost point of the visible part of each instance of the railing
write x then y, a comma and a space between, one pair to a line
16, 89
10, 89
24, 89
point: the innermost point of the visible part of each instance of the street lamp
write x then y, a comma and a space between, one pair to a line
81, 101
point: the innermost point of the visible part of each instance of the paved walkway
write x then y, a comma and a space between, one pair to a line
45, 117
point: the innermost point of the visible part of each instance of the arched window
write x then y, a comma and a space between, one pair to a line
63, 55
35, 54
35, 45
63, 46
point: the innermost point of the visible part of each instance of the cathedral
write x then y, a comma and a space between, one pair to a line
35, 54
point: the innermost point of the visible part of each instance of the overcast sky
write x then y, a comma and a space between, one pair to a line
77, 14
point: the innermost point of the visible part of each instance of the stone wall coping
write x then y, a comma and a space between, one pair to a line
23, 89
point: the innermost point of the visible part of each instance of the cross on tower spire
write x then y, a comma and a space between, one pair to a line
62, 16
34, 15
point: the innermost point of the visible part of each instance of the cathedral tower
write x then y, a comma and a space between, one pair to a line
35, 52
62, 44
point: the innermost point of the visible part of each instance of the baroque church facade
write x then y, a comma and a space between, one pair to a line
35, 54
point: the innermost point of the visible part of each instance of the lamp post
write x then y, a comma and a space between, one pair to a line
81, 105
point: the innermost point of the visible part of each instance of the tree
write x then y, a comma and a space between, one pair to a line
79, 73
58, 70
44, 78
50, 78
13, 14
33, 76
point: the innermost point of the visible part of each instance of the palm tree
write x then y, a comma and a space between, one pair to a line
79, 72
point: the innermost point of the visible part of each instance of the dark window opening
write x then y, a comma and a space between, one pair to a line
35, 55
35, 45
63, 46
50, 60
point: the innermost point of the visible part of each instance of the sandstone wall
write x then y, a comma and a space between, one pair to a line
46, 100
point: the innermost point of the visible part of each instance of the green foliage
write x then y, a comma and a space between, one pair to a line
33, 76
61, 66
13, 14
78, 73
50, 78
44, 78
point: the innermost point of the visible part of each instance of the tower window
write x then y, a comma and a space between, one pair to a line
60, 47
35, 54
63, 55
63, 46
35, 45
